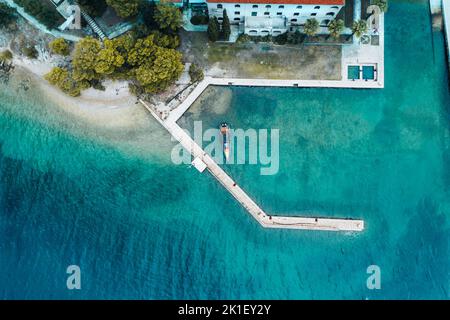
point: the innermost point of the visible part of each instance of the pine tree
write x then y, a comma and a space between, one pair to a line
226, 29
213, 29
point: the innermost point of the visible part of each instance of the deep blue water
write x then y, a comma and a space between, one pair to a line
140, 227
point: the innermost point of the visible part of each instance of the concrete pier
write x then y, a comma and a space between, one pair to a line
265, 220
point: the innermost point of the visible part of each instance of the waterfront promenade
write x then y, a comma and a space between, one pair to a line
265, 220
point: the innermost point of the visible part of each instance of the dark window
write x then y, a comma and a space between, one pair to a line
335, 7
237, 5
296, 13
313, 14
254, 14
237, 19
237, 13
268, 6
330, 14
317, 7
255, 6
279, 13
280, 7
293, 20
299, 7
219, 6
325, 22
266, 13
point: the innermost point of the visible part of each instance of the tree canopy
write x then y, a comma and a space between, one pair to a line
125, 8
6, 15
168, 17
60, 46
95, 8
213, 29
311, 27
359, 28
47, 15
226, 28
336, 27
151, 67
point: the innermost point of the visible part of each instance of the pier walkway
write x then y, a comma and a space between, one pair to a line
265, 220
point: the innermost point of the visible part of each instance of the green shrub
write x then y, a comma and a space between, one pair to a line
195, 73
6, 15
199, 20
281, 39
30, 52
242, 38
6, 55
45, 14
60, 46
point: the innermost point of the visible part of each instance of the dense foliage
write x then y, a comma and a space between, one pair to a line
226, 28
195, 73
125, 8
149, 63
199, 20
6, 15
45, 14
336, 27
95, 8
311, 27
168, 17
6, 55
213, 29
60, 46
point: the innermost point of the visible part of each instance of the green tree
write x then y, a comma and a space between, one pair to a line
168, 17
95, 8
6, 55
125, 8
311, 27
382, 4
6, 15
359, 28
226, 28
213, 29
60, 46
45, 14
170, 41
143, 51
30, 51
336, 27
85, 59
109, 59
61, 78
195, 73
163, 71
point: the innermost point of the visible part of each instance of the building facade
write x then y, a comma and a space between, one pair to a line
264, 17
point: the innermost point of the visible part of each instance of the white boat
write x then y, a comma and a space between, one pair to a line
224, 130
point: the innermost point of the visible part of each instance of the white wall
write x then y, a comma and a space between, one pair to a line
237, 14
435, 6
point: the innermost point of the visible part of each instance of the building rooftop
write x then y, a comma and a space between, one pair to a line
310, 2
265, 22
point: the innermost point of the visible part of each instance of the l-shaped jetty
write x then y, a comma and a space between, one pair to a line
265, 220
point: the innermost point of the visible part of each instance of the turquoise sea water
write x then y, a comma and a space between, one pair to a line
140, 227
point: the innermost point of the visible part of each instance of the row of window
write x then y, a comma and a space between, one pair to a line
254, 13
220, 6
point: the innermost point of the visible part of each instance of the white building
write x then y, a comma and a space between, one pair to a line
263, 17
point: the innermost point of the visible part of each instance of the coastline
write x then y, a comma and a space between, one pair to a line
114, 107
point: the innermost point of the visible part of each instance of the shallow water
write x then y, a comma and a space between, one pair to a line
140, 227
